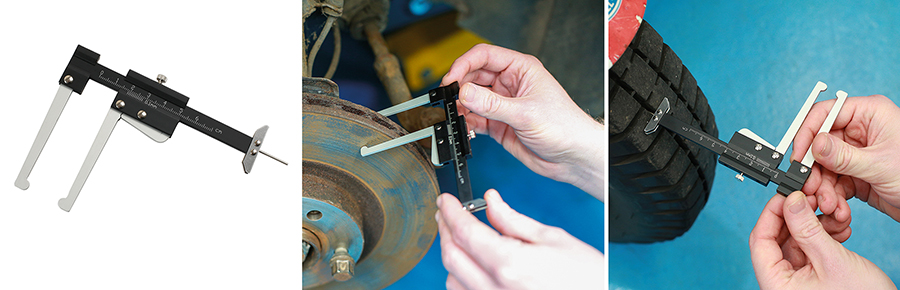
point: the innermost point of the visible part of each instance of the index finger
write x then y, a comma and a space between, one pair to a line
482, 243
810, 127
852, 107
765, 252
484, 57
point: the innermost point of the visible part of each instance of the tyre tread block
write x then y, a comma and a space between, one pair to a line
658, 182
622, 109
632, 140
670, 67
648, 43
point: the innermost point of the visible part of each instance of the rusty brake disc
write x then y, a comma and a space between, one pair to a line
382, 204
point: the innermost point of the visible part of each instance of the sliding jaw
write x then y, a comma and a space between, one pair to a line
106, 129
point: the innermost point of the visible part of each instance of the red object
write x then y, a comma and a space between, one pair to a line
624, 25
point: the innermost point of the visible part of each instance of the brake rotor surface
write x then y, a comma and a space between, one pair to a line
389, 196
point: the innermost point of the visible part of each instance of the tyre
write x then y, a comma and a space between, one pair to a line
658, 182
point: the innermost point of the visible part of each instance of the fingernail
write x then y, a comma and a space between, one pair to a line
798, 205
439, 200
468, 91
437, 216
829, 144
495, 195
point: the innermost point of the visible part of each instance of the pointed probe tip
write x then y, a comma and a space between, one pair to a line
273, 157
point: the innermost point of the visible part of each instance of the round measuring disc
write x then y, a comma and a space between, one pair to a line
388, 196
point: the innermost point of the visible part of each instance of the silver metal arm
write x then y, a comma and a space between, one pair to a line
754, 137
411, 137
401, 107
112, 117
150, 132
56, 108
808, 159
798, 120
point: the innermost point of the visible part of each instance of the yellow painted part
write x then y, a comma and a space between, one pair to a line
427, 49
437, 59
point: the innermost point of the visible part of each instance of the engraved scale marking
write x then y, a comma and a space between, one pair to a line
736, 156
151, 101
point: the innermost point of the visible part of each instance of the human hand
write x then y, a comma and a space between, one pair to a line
859, 157
514, 99
791, 249
525, 254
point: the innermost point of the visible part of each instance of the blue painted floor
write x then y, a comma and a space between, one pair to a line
757, 61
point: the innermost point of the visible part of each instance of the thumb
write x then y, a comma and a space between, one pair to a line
486, 103
511, 223
836, 155
806, 229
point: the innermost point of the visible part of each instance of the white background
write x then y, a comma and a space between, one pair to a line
180, 214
